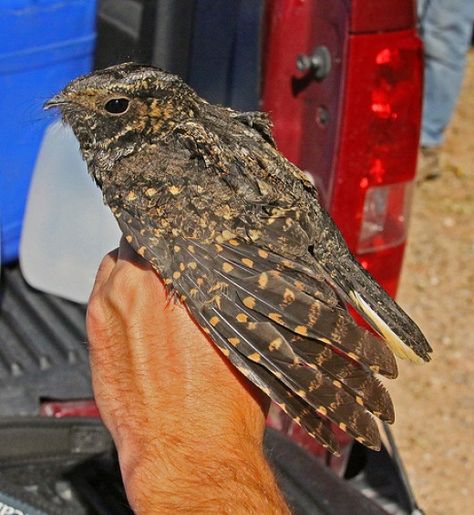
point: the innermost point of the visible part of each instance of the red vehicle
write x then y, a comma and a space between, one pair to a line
343, 85
342, 82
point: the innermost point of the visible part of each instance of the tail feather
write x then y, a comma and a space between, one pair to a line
356, 286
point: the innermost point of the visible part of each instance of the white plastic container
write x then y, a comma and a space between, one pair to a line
67, 230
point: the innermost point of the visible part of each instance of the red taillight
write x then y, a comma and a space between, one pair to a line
384, 217
378, 148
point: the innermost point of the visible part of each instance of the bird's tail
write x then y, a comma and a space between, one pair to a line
356, 286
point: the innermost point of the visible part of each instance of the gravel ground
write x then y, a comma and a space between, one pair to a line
435, 402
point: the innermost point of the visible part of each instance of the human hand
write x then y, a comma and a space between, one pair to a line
187, 426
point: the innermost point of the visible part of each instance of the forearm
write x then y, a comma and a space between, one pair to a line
232, 480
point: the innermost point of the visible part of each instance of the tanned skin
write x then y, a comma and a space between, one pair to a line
187, 426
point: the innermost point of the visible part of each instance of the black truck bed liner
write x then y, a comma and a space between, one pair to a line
43, 348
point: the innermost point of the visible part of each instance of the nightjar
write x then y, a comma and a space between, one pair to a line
237, 233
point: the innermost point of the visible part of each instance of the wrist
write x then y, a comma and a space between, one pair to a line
229, 477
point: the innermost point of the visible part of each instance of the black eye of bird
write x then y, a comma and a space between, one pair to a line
117, 105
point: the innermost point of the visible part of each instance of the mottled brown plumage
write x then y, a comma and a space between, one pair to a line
237, 232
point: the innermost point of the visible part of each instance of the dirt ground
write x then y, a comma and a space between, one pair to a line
435, 402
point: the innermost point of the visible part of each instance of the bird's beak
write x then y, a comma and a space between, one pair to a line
56, 101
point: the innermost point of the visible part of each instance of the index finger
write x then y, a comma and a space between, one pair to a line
105, 269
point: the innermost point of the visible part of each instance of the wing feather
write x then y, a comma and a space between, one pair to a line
282, 326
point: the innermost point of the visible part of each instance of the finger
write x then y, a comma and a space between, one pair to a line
105, 269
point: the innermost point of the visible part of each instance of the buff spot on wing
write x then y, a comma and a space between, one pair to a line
191, 249
131, 196
168, 281
150, 192
176, 275
225, 352
174, 190
200, 281
254, 234
263, 280
193, 292
225, 235
263, 253
343, 426
301, 329
242, 318
192, 265
182, 267
233, 341
301, 393
254, 357
176, 248
247, 262
227, 267
214, 321
251, 326
322, 410
359, 400
219, 248
234, 242
141, 251
249, 302
275, 344
276, 317
129, 238
288, 296
337, 383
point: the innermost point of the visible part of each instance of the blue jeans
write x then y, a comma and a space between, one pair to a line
446, 30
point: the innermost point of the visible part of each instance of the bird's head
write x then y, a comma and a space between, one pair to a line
115, 111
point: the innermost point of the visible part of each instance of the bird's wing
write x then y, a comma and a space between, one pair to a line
299, 232
281, 325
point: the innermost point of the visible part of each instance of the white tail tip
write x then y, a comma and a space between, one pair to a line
398, 347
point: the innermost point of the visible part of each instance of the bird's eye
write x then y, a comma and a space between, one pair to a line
117, 105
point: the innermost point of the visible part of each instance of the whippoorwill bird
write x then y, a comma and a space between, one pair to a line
237, 232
